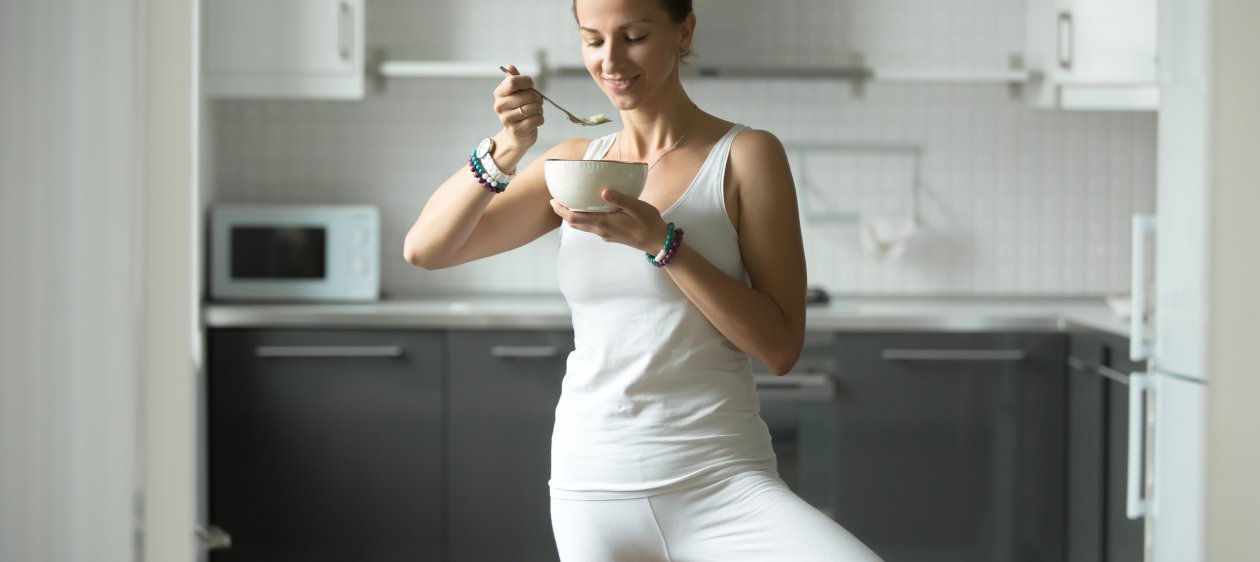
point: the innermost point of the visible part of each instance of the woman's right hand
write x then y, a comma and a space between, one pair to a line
520, 109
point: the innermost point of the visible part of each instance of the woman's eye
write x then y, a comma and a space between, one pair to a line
598, 42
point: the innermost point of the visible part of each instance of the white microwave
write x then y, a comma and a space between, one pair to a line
295, 253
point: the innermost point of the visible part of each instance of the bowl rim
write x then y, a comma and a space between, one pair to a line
596, 160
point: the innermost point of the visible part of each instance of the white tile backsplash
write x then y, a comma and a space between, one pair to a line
1014, 201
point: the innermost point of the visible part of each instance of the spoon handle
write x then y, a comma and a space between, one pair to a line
573, 118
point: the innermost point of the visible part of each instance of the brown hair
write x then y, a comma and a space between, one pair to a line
678, 9
678, 12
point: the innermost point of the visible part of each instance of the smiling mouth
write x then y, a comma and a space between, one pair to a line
620, 83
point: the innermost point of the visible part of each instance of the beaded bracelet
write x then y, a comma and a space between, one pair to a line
492, 171
484, 177
669, 239
474, 164
671, 249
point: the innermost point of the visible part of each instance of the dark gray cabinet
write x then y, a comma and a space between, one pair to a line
1098, 417
503, 388
950, 447
325, 445
1087, 452
383, 445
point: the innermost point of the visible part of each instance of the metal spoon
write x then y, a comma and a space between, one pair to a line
591, 121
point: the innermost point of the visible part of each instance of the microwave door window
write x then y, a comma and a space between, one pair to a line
279, 253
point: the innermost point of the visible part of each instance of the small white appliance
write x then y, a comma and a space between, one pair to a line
294, 253
1168, 403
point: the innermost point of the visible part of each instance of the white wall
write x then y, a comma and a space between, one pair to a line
68, 214
1016, 200
95, 287
1234, 457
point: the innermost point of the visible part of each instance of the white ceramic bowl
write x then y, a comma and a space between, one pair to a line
577, 184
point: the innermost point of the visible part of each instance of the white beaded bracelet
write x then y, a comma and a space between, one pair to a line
491, 168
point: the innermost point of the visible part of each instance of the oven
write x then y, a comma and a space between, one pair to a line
799, 409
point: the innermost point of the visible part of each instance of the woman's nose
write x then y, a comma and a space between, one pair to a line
614, 57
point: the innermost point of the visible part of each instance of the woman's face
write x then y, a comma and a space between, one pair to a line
630, 47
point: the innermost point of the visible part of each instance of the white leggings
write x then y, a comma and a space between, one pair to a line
751, 516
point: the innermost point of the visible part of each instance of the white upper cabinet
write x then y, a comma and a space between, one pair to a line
284, 48
1094, 54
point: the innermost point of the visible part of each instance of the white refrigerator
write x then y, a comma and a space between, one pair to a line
1168, 402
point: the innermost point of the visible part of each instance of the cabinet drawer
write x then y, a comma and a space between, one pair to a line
325, 445
951, 446
504, 386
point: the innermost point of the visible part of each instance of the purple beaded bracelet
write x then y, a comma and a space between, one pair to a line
480, 174
669, 254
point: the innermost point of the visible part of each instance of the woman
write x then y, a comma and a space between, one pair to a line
658, 451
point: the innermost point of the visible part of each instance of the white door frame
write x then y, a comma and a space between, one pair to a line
171, 335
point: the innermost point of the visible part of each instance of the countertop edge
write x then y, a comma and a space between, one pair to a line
552, 314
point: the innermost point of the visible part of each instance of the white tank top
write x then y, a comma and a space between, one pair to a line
655, 398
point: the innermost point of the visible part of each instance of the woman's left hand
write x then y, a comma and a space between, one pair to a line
635, 223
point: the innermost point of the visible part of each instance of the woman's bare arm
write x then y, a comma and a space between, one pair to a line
463, 221
766, 320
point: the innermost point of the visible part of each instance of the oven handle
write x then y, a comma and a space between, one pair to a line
524, 351
946, 355
794, 387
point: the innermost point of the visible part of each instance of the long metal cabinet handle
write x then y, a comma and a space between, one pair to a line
345, 30
1139, 350
299, 351
524, 351
1066, 37
1136, 506
1101, 370
953, 355
805, 387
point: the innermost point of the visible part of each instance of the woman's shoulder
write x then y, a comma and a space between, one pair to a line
750, 143
747, 141
753, 149
569, 149
758, 168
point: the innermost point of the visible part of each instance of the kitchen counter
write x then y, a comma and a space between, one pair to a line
551, 312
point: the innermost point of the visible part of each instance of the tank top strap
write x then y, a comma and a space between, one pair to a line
711, 179
723, 147
599, 147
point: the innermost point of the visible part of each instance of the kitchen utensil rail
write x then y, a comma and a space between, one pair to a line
815, 206
851, 73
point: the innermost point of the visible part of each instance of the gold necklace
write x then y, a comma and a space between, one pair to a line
690, 122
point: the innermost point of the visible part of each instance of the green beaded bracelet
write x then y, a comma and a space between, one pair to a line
497, 187
669, 239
